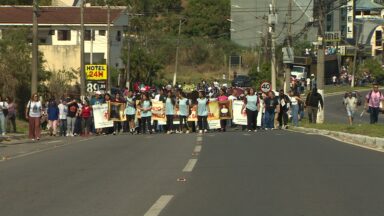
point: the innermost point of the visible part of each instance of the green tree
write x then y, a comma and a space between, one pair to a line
207, 18
15, 66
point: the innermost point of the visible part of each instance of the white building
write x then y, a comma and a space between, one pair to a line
59, 33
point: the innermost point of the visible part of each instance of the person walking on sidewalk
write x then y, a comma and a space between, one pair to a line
53, 116
63, 111
183, 105
284, 102
170, 103
223, 97
295, 107
351, 106
271, 107
130, 111
372, 103
146, 113
11, 117
202, 112
251, 106
71, 117
312, 103
3, 115
33, 114
86, 119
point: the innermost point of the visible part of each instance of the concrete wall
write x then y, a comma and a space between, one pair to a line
60, 57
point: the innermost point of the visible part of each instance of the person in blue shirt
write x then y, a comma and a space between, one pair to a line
183, 104
202, 112
53, 116
146, 114
251, 106
170, 111
130, 111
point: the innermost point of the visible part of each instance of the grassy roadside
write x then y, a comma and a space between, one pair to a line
376, 130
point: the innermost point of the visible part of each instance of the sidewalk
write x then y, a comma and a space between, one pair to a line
373, 143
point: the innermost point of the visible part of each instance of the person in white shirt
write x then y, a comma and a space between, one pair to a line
3, 115
33, 114
351, 106
63, 111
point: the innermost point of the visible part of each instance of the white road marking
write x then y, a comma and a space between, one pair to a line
190, 165
55, 141
159, 205
199, 139
197, 149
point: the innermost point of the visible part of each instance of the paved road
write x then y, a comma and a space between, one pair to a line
266, 173
335, 111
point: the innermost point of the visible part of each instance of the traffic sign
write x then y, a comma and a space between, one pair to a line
265, 87
93, 85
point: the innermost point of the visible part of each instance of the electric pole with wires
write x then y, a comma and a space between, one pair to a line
288, 55
320, 59
272, 21
35, 48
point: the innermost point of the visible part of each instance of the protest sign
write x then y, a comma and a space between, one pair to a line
116, 111
239, 117
225, 109
158, 111
214, 111
101, 116
214, 124
193, 114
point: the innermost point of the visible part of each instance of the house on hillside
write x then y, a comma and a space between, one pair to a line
59, 33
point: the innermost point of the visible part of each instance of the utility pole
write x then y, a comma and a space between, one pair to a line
177, 54
357, 36
128, 65
320, 60
272, 28
91, 54
35, 47
82, 66
289, 49
109, 48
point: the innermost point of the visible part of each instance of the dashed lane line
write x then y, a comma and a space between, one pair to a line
199, 139
197, 149
159, 205
190, 165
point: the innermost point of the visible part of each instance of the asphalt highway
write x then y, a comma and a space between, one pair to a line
235, 173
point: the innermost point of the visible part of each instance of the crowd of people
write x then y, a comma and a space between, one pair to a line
265, 111
74, 117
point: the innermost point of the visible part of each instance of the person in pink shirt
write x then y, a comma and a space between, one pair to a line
223, 97
372, 103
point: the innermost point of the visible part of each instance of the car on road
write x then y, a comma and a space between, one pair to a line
241, 81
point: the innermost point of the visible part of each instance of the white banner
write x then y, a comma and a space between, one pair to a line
239, 117
214, 124
100, 116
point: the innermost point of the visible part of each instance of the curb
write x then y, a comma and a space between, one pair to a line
373, 143
11, 137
